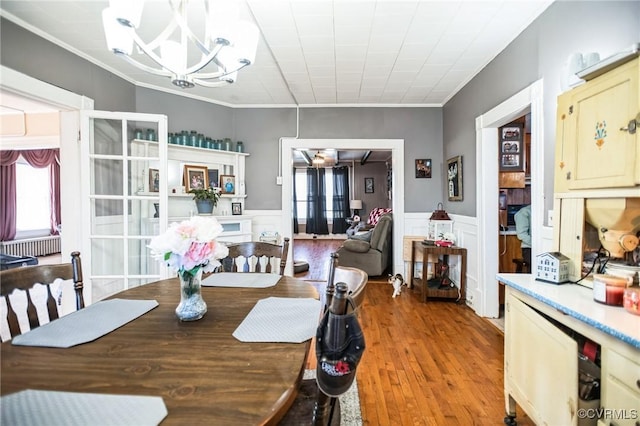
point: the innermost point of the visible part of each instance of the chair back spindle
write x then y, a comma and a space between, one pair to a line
256, 256
19, 284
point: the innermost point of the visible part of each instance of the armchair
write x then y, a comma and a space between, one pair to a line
372, 256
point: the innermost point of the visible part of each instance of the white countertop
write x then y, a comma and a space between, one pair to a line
577, 301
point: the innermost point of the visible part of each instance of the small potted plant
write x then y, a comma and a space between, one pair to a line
206, 199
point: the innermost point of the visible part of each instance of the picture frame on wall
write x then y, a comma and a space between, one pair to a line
228, 184
454, 178
213, 178
423, 168
511, 157
154, 180
195, 177
368, 185
236, 209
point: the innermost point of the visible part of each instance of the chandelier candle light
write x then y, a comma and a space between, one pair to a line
190, 248
228, 44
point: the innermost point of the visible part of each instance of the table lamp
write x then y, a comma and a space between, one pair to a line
355, 205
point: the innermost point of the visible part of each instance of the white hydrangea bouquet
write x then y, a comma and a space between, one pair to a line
190, 248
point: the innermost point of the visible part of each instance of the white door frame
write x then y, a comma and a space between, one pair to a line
396, 146
529, 99
70, 104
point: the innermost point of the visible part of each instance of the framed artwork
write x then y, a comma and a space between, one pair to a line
228, 184
195, 177
236, 208
213, 178
511, 148
454, 178
368, 185
154, 180
423, 168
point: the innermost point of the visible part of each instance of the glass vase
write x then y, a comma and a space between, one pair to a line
192, 306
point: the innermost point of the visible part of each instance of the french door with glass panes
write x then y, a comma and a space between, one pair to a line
123, 192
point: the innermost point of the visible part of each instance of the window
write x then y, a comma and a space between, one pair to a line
33, 201
301, 193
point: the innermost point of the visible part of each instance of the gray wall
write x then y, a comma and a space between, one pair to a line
539, 52
30, 54
421, 129
436, 133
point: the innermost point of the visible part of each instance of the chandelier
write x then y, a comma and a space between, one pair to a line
214, 60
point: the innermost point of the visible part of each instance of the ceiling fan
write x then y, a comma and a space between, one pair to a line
320, 158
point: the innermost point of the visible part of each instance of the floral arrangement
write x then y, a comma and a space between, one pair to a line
190, 246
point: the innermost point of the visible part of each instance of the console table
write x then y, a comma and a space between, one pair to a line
422, 283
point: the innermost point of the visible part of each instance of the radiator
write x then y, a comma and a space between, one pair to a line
31, 246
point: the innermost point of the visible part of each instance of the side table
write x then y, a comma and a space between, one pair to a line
421, 283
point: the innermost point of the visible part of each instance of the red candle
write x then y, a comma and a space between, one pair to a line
614, 295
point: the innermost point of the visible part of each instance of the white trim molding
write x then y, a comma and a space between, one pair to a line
527, 100
396, 146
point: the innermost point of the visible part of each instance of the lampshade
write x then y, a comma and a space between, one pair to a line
355, 204
227, 44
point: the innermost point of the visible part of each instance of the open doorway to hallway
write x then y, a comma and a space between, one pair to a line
514, 193
529, 101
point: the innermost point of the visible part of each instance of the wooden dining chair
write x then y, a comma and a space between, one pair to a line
256, 256
355, 279
311, 406
20, 282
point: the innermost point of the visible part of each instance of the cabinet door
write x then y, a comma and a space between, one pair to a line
620, 388
605, 156
509, 250
541, 365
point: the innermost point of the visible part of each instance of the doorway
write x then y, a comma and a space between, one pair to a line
69, 105
396, 146
529, 100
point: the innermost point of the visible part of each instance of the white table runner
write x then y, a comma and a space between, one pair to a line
35, 408
85, 325
241, 279
280, 319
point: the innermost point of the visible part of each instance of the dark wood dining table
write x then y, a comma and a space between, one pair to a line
203, 374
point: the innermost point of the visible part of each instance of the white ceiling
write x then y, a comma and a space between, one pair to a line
320, 52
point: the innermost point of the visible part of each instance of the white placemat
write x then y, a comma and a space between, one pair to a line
85, 325
35, 408
280, 319
241, 279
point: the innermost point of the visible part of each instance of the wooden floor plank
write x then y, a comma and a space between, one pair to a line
434, 363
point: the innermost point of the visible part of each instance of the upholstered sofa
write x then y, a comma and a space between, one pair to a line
369, 250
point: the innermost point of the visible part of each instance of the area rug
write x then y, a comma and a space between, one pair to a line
349, 403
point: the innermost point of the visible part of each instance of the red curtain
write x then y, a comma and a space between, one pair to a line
38, 158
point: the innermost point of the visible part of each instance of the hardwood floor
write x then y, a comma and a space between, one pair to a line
434, 363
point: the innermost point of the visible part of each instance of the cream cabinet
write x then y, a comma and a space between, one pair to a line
620, 388
539, 360
596, 141
541, 357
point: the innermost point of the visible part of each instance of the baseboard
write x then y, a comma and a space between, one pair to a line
303, 236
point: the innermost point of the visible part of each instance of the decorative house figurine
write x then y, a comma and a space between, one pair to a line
552, 267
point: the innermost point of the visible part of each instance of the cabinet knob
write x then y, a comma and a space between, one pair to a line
632, 126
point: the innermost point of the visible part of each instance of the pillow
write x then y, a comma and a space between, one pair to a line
375, 214
364, 236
